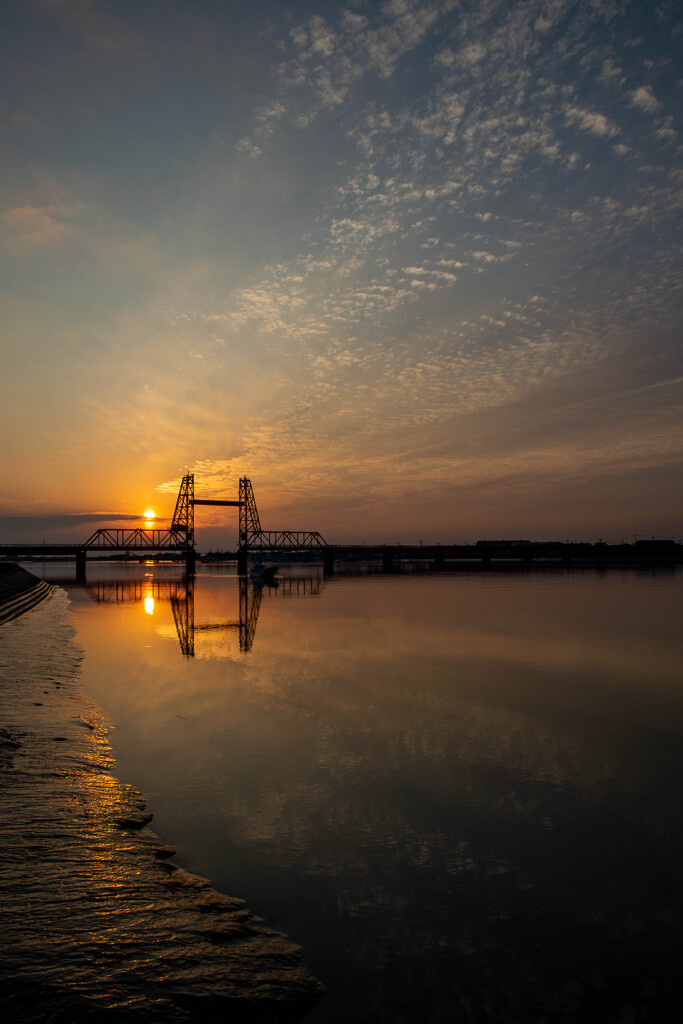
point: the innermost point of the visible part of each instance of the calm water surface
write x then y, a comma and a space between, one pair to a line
461, 793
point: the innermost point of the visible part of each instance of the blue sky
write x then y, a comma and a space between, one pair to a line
415, 268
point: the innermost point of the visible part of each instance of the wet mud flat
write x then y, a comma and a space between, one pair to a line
96, 922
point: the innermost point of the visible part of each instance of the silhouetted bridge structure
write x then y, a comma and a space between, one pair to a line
180, 539
507, 553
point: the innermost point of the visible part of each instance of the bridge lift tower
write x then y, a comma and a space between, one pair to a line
251, 536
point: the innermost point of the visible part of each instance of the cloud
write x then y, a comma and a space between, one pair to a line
73, 519
645, 99
611, 72
440, 275
58, 528
329, 59
471, 54
590, 121
36, 227
112, 38
248, 147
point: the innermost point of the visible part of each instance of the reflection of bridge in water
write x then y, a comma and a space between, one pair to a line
181, 596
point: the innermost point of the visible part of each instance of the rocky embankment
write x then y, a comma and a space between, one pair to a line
96, 922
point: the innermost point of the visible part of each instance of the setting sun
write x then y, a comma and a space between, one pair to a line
149, 513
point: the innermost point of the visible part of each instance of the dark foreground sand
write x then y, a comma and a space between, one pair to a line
95, 920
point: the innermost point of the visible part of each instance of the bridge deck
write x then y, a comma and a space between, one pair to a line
19, 550
664, 551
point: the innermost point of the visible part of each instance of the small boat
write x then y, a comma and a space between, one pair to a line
263, 573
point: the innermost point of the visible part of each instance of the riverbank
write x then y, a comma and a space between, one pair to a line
95, 920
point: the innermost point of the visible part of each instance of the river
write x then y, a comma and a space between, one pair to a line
460, 792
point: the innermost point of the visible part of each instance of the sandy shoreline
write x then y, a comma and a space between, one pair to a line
95, 920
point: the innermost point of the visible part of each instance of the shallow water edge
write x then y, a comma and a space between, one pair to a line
95, 920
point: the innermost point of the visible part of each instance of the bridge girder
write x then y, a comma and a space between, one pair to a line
286, 540
135, 540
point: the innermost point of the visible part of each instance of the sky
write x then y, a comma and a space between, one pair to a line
414, 268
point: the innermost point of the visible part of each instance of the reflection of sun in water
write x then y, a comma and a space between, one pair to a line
149, 605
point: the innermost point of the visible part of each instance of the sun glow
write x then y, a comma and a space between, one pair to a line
149, 513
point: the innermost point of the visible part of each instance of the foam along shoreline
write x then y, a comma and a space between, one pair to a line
95, 920
19, 591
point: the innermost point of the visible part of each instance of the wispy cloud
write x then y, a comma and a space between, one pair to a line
645, 99
590, 121
32, 228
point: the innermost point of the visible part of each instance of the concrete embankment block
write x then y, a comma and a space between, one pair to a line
19, 591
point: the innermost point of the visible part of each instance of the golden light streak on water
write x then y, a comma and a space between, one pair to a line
93, 915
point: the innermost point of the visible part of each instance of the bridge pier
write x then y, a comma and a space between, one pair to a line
328, 563
190, 562
387, 560
242, 561
80, 566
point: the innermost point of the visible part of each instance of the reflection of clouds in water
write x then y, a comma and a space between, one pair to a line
424, 767
624, 656
219, 645
453, 753
398, 692
167, 631
431, 820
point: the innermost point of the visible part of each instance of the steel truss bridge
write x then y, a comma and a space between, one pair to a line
180, 537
